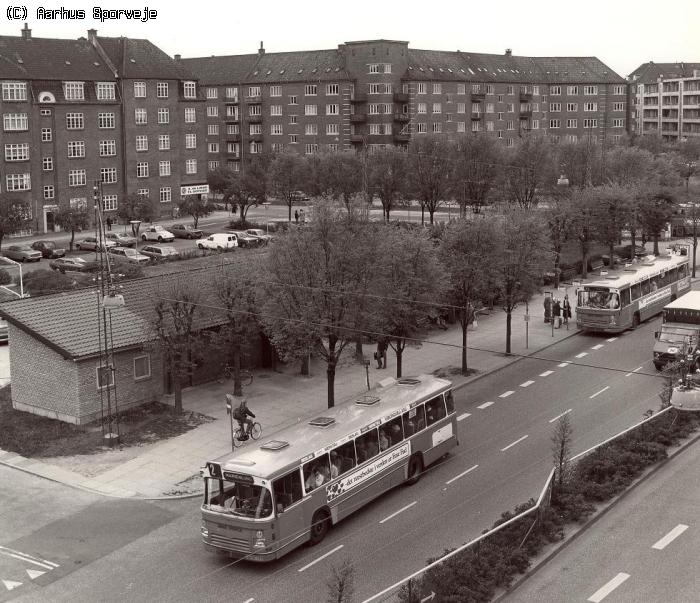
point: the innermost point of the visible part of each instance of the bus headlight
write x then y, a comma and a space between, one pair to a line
205, 532
259, 539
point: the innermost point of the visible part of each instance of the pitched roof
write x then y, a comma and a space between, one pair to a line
137, 58
70, 324
51, 59
218, 71
649, 73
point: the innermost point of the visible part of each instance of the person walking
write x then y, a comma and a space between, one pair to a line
380, 354
296, 216
556, 313
109, 223
566, 309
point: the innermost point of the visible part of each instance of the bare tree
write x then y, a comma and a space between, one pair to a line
287, 177
195, 206
387, 177
561, 449
341, 583
529, 169
71, 219
478, 159
136, 207
249, 186
430, 168
610, 214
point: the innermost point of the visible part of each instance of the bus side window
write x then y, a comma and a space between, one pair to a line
636, 291
624, 298
646, 286
394, 431
663, 279
345, 455
450, 401
672, 275
682, 271
316, 473
435, 410
367, 446
287, 490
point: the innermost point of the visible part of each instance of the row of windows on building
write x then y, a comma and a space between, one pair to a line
17, 91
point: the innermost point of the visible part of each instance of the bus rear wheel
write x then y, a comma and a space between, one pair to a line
415, 468
320, 524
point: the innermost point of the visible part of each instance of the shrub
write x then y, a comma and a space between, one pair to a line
5, 278
45, 282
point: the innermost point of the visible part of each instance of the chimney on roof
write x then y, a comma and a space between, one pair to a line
178, 57
509, 52
261, 50
26, 33
92, 36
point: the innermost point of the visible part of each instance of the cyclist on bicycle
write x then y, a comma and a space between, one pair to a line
241, 414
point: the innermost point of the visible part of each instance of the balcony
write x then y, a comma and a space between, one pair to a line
357, 138
358, 118
233, 138
255, 119
525, 97
402, 117
477, 97
525, 113
253, 100
400, 97
358, 97
402, 137
476, 115
231, 101
231, 119
233, 154
256, 138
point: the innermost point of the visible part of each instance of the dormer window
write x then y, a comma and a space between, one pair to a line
74, 90
190, 90
14, 91
106, 91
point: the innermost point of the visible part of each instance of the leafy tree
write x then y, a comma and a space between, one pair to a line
522, 256
195, 206
628, 166
14, 215
345, 177
529, 168
610, 214
430, 168
5, 278
656, 210
559, 216
220, 181
287, 174
136, 207
249, 186
321, 275
579, 162
72, 219
388, 172
173, 324
583, 208
409, 280
478, 160
467, 252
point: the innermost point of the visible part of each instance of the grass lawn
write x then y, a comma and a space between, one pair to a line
34, 436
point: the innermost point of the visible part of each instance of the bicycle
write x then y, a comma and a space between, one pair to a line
228, 372
255, 434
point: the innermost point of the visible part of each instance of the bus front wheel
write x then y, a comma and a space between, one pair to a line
415, 468
320, 524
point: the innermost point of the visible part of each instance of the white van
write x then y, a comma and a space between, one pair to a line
219, 241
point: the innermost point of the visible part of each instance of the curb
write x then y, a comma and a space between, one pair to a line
613, 503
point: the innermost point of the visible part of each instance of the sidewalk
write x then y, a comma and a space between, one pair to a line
171, 468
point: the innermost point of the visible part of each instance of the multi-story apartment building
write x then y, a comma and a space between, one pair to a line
376, 93
111, 110
666, 100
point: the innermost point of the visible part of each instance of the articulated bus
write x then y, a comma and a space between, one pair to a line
623, 298
263, 501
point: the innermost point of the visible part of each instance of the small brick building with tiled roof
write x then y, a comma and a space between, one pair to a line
55, 346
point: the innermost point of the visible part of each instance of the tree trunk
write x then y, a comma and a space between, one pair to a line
196, 220
611, 251
656, 243
177, 390
72, 239
584, 259
464, 323
431, 212
330, 376
557, 260
289, 208
237, 385
305, 362
399, 360
633, 238
359, 354
422, 214
509, 316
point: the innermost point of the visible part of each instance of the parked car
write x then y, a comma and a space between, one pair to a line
64, 265
157, 233
121, 239
260, 234
3, 331
245, 239
92, 244
126, 254
22, 253
159, 252
185, 231
48, 249
220, 241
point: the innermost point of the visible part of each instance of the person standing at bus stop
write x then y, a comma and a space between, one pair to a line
556, 313
566, 309
547, 308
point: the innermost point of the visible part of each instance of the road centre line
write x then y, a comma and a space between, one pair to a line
611, 339
600, 392
401, 510
563, 364
597, 347
249, 600
605, 590
582, 354
456, 477
526, 384
28, 558
639, 368
463, 416
670, 537
315, 561
484, 405
546, 373
566, 412
513, 443
506, 394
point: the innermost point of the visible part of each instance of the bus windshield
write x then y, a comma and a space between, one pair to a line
598, 297
244, 500
674, 335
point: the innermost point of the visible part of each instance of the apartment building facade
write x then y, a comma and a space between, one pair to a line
666, 100
371, 94
113, 111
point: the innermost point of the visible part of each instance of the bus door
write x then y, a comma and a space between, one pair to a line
289, 510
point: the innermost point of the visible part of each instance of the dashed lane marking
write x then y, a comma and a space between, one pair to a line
463, 416
401, 510
582, 354
566, 412
456, 477
514, 443
563, 364
670, 537
611, 339
600, 392
526, 384
249, 600
639, 368
315, 561
605, 590
546, 373
506, 394
597, 347
484, 405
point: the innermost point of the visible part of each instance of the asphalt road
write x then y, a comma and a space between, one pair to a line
503, 458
